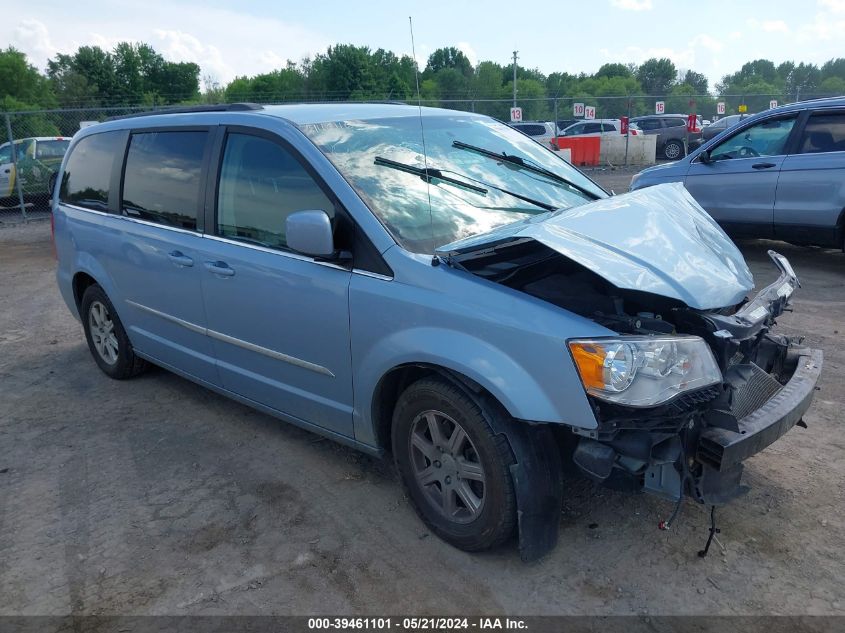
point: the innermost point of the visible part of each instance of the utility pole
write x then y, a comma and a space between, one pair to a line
514, 77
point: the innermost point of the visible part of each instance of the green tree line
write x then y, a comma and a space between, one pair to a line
134, 74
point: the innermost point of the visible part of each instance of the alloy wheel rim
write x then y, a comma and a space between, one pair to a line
447, 467
101, 327
672, 151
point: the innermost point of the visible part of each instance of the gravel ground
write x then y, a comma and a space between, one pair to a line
155, 496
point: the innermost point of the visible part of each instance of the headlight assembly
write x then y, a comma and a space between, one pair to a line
643, 371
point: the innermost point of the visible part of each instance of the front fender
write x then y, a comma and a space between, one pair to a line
506, 380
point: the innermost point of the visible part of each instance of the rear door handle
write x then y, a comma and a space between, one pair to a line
180, 259
762, 165
219, 268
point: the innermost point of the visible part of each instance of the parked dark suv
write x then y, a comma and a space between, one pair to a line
673, 140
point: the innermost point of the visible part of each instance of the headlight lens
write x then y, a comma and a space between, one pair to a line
643, 371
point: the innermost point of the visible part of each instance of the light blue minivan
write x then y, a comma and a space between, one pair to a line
436, 285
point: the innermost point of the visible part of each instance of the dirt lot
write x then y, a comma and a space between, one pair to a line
155, 496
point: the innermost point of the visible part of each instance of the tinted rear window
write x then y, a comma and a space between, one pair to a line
824, 133
87, 174
532, 130
162, 179
51, 149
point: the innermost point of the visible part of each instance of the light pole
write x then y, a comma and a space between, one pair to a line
514, 77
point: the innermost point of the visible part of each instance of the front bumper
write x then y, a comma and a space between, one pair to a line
722, 449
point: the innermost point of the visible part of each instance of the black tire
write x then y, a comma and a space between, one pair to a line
674, 150
124, 363
494, 519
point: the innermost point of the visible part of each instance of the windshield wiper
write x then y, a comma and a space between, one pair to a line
429, 173
524, 163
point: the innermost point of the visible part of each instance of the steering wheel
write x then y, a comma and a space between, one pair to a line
746, 152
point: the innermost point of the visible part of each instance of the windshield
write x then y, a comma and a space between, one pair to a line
397, 187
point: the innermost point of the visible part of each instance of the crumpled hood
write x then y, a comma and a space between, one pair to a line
656, 240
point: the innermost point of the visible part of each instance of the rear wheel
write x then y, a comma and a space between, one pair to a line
107, 340
454, 468
673, 150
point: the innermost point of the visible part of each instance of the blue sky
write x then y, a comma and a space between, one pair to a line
253, 36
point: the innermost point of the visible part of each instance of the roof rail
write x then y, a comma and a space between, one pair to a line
217, 107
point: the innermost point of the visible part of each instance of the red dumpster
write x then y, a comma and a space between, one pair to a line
585, 149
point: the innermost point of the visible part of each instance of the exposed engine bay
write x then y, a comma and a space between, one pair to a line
694, 443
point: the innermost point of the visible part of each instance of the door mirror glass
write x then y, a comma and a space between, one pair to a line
310, 233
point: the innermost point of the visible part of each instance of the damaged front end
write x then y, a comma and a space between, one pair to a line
696, 380
687, 378
694, 443
683, 395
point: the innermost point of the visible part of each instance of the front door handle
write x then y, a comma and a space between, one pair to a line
180, 259
219, 268
762, 165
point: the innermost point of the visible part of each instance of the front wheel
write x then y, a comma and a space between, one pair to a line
453, 467
106, 337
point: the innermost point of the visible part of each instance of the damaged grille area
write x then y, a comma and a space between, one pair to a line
758, 388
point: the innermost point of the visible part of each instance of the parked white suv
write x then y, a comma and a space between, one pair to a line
541, 131
598, 127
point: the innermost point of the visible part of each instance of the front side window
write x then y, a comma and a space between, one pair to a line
457, 187
161, 182
87, 176
5, 155
261, 184
575, 130
766, 138
823, 133
592, 128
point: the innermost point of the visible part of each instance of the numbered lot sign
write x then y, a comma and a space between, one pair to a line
773, 103
589, 112
659, 107
720, 107
578, 109
516, 115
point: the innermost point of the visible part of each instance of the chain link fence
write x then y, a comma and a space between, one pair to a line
34, 142
31, 151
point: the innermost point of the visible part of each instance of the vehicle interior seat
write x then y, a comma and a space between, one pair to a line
818, 141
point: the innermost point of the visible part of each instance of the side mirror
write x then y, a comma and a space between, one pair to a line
310, 233
704, 157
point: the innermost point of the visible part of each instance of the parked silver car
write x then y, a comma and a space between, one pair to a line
777, 174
